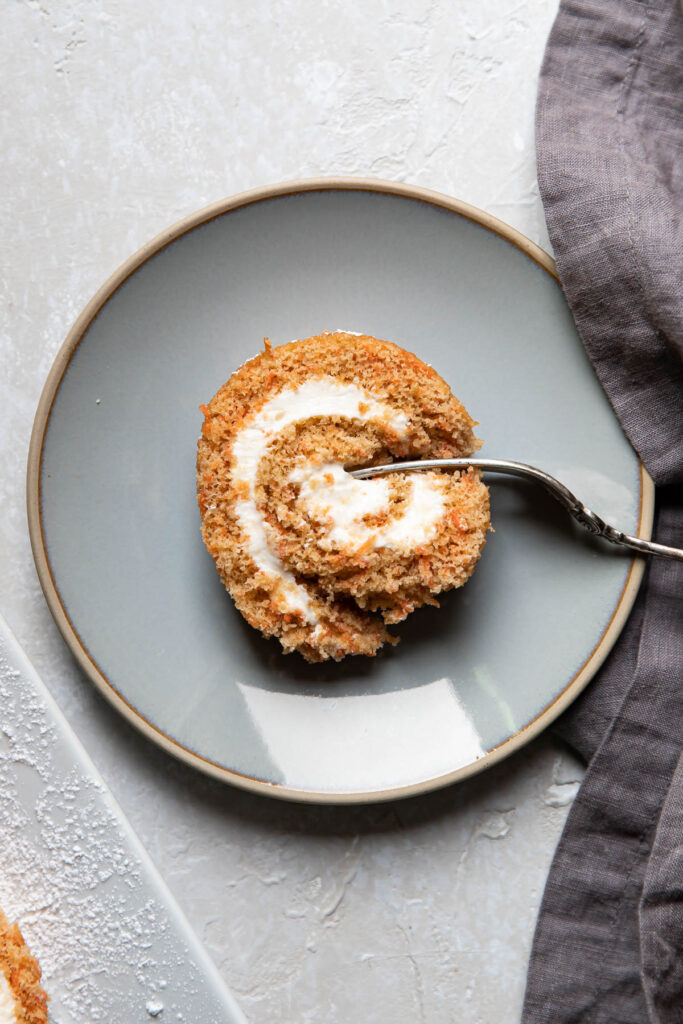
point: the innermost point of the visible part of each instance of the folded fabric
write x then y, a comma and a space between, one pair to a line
609, 938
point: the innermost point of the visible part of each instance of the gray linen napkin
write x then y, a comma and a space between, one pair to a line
609, 939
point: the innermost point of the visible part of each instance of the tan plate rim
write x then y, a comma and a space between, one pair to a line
47, 581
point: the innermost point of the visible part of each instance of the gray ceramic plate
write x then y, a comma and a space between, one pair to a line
115, 528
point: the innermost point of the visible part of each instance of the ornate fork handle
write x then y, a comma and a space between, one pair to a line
583, 515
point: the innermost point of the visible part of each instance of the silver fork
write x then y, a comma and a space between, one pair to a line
583, 515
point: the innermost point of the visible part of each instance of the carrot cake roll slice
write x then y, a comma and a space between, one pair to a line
22, 998
310, 554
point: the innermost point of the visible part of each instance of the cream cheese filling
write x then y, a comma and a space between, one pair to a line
8, 1014
334, 498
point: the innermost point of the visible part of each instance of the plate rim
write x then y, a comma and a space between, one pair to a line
78, 647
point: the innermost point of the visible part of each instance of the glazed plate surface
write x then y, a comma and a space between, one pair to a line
115, 527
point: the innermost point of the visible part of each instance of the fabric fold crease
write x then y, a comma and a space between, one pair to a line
609, 939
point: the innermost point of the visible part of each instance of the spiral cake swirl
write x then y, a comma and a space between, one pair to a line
310, 554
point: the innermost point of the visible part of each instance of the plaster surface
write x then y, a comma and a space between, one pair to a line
120, 118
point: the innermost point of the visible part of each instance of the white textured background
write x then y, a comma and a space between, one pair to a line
119, 118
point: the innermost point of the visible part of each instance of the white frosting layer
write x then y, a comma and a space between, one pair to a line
341, 502
7, 1002
331, 493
